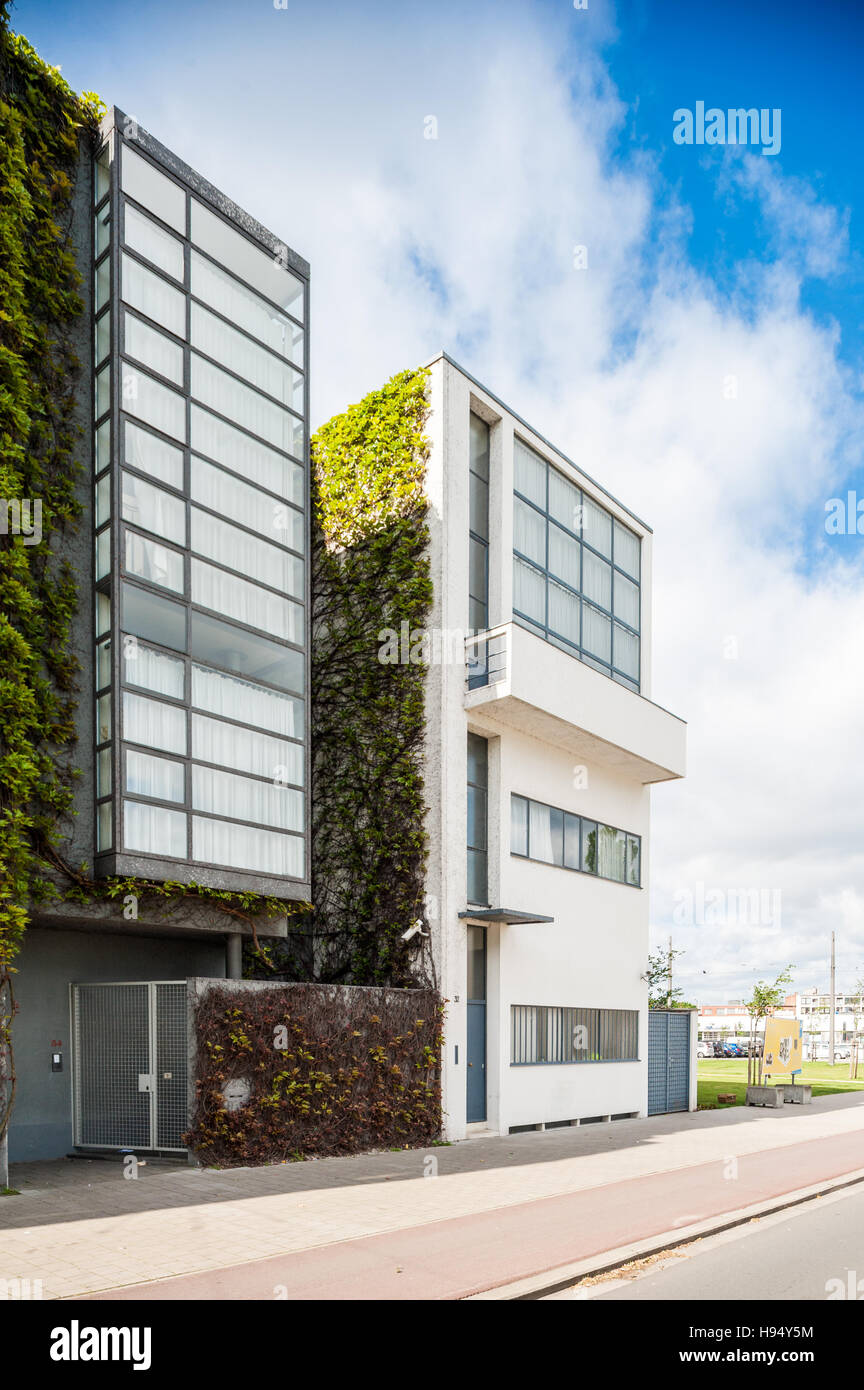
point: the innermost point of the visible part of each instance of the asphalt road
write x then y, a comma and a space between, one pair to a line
790, 1255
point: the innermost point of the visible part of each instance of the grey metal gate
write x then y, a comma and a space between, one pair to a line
129, 1054
668, 1060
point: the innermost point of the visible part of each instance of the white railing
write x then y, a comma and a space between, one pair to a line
486, 657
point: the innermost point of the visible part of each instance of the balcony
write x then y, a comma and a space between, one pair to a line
524, 683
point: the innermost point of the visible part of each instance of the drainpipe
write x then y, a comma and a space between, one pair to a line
234, 956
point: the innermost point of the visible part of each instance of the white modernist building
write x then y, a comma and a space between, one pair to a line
543, 743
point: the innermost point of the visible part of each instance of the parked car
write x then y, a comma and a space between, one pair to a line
718, 1050
704, 1049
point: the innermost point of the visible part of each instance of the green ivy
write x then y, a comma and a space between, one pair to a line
370, 572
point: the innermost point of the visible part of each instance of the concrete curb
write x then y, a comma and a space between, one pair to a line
536, 1286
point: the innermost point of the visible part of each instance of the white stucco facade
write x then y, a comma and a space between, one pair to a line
559, 733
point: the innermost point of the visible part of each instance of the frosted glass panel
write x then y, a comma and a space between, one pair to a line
153, 510
153, 296
248, 407
246, 602
152, 670
260, 268
254, 704
245, 357
246, 847
158, 778
563, 612
627, 550
529, 473
222, 493
154, 403
226, 794
625, 654
564, 556
529, 532
245, 308
255, 558
597, 580
626, 600
597, 528
529, 591
153, 243
154, 830
596, 633
565, 502
153, 723
235, 450
232, 746
154, 190
154, 562
153, 349
150, 455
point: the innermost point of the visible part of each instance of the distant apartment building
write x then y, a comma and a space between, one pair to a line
721, 1022
191, 632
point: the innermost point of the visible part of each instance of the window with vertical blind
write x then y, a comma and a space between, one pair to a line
542, 1034
478, 813
576, 570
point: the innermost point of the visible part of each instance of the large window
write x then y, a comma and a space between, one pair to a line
201, 576
553, 836
478, 526
542, 1034
478, 817
576, 570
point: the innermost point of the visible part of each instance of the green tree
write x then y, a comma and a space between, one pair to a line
762, 1002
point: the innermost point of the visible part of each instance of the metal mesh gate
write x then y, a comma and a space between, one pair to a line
129, 1065
668, 1061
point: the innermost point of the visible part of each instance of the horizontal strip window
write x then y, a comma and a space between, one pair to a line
241, 354
236, 846
157, 779
155, 457
261, 416
152, 348
245, 308
226, 593
254, 802
154, 830
152, 296
234, 449
164, 622
151, 188
155, 404
221, 492
548, 1035
237, 253
152, 242
245, 750
152, 509
552, 836
155, 563
239, 550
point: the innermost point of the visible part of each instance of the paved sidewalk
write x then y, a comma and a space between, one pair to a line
81, 1228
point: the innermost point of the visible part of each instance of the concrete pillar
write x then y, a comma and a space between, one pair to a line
234, 956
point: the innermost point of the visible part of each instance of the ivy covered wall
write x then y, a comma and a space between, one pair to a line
370, 573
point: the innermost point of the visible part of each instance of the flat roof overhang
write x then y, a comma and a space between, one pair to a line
508, 916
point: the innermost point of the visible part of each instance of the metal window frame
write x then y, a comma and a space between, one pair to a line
583, 820
549, 1028
116, 139
544, 629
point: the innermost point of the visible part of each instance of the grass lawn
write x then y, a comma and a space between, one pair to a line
728, 1074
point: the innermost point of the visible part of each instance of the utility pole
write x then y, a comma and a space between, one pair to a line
669, 1000
831, 1020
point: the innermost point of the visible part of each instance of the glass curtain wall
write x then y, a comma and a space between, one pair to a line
200, 488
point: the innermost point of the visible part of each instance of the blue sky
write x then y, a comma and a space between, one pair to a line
705, 363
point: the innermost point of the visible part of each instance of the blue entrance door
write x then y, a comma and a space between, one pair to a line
476, 1049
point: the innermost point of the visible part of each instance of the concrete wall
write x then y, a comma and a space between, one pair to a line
595, 952
49, 962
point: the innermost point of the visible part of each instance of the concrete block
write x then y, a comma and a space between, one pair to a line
765, 1095
797, 1095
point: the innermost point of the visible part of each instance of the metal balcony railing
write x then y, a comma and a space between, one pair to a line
486, 657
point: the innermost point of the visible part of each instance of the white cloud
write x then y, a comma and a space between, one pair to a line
467, 242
